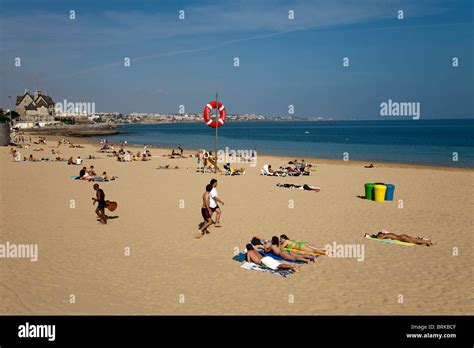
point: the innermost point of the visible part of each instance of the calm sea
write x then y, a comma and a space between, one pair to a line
431, 142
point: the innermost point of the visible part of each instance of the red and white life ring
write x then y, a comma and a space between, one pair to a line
207, 114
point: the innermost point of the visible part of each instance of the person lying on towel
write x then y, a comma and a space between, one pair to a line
286, 243
274, 248
267, 261
301, 187
402, 237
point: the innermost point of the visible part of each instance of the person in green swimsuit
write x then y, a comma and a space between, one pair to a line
286, 243
274, 248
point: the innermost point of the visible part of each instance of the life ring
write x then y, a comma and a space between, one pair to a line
207, 114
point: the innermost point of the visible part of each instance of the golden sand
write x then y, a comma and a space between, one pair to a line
168, 271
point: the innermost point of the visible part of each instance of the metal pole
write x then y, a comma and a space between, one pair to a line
10, 102
217, 125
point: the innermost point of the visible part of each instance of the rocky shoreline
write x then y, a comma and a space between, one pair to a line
75, 130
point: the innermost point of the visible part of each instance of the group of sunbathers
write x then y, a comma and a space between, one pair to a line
284, 248
295, 170
89, 174
128, 156
41, 140
21, 137
17, 157
206, 161
176, 153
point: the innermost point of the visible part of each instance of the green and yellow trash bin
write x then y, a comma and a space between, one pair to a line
369, 191
379, 192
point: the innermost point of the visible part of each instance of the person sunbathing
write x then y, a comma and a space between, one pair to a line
71, 161
82, 173
274, 248
286, 243
305, 168
167, 167
273, 172
257, 242
402, 237
300, 187
289, 169
266, 261
91, 171
233, 170
369, 166
16, 156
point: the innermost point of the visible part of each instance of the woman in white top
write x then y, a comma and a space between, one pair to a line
213, 200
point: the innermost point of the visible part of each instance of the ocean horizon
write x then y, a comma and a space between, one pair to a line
423, 142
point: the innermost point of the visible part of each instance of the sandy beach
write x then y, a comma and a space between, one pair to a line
171, 272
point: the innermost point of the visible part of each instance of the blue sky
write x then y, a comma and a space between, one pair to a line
182, 62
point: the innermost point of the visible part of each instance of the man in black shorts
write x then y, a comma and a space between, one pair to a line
206, 213
100, 198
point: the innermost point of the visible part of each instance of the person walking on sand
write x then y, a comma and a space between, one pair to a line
214, 199
100, 199
206, 212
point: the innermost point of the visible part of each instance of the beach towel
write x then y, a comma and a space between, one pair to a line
240, 257
278, 257
296, 251
388, 241
252, 266
75, 177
